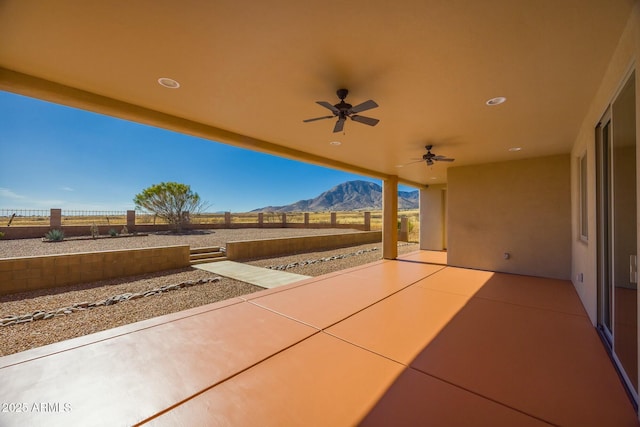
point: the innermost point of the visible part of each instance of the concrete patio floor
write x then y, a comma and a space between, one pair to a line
401, 342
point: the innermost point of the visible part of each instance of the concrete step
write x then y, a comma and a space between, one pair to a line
204, 255
208, 260
204, 249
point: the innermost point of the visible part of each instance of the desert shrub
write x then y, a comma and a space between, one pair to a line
112, 232
54, 235
1, 234
171, 201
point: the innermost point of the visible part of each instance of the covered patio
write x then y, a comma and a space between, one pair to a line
395, 342
538, 104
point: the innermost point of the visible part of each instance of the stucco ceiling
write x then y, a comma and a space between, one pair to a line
254, 69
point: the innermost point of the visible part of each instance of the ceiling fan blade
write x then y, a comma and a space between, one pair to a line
443, 159
318, 118
325, 104
366, 120
366, 105
339, 125
411, 163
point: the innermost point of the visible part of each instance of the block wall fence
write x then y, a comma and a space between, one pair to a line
55, 222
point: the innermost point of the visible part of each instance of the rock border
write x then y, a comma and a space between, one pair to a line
82, 306
318, 260
326, 259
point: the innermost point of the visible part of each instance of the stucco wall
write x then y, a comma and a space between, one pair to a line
519, 207
432, 217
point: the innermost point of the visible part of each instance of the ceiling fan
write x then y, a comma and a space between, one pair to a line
342, 110
429, 158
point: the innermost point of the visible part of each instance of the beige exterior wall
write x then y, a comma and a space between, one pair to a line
43, 272
584, 254
521, 208
433, 218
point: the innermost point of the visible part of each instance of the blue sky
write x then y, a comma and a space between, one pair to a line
59, 157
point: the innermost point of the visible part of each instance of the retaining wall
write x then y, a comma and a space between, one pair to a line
43, 272
295, 245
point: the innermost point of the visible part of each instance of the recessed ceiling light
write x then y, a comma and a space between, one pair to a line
515, 148
168, 83
496, 101
336, 143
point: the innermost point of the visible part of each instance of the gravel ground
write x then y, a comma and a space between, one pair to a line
25, 336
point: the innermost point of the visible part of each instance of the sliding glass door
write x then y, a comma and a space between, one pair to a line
617, 233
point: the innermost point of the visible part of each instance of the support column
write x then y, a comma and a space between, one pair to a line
367, 221
390, 218
334, 219
260, 219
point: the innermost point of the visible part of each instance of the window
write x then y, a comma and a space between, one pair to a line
584, 216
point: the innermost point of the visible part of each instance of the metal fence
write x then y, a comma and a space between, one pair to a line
145, 218
84, 217
66, 212
28, 217
24, 216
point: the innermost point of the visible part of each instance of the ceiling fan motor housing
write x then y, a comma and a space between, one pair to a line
343, 107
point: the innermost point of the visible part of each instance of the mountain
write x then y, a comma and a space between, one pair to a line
348, 196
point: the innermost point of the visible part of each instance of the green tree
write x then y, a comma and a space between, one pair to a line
172, 201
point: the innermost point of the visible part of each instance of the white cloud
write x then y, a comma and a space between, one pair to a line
25, 202
67, 189
7, 193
